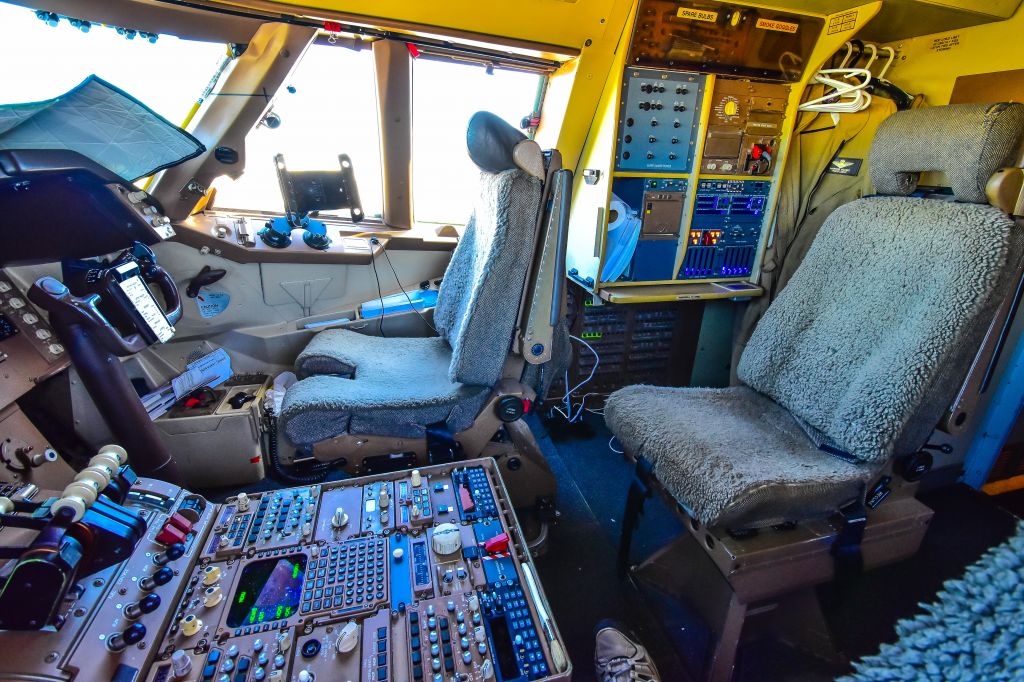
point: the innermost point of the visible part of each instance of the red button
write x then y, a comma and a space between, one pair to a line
466, 499
180, 522
170, 535
499, 543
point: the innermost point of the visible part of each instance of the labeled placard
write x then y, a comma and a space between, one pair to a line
776, 25
697, 14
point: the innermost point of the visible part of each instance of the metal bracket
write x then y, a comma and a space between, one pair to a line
591, 176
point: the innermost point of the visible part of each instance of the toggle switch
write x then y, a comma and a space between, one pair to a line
148, 604
174, 551
133, 634
161, 577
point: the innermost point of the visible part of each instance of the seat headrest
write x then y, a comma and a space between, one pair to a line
490, 141
967, 142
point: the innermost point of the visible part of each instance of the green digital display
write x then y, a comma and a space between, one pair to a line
268, 590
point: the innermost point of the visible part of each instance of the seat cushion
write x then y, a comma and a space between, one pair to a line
395, 389
340, 351
731, 456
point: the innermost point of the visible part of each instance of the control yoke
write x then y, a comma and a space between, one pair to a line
66, 310
104, 312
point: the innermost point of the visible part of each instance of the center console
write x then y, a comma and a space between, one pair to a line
417, 575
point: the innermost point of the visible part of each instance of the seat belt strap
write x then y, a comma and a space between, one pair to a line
846, 548
639, 490
442, 448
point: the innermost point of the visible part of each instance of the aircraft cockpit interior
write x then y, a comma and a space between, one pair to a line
614, 340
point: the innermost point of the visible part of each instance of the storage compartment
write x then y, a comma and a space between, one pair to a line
219, 444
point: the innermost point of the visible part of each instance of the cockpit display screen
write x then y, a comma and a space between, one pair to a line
722, 38
268, 590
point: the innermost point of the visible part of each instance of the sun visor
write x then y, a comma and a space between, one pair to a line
103, 123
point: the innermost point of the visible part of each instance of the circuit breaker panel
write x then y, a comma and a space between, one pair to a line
694, 135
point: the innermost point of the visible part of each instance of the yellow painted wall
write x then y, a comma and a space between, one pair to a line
930, 64
556, 22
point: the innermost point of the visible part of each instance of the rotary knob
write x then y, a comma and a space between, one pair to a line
348, 638
446, 539
190, 625
211, 574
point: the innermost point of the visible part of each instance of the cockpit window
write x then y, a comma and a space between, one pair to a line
445, 95
327, 107
42, 61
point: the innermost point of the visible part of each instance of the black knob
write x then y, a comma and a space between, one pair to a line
675, 140
654, 123
681, 90
658, 106
133, 634
645, 106
629, 123
161, 577
627, 139
676, 124
671, 157
650, 155
148, 604
652, 139
661, 88
175, 551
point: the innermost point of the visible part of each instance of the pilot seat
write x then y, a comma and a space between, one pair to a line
800, 471
382, 401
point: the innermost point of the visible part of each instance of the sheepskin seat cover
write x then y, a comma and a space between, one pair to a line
395, 386
731, 455
398, 386
861, 351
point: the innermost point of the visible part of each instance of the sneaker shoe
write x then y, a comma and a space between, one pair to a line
619, 658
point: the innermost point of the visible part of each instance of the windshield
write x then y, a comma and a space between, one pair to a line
327, 107
168, 75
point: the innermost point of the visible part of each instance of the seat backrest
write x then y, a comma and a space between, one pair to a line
478, 302
870, 340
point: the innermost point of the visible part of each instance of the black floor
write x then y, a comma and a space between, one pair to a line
580, 580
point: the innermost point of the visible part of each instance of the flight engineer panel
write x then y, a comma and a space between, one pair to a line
703, 105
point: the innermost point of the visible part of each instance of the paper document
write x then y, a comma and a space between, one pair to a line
143, 300
211, 370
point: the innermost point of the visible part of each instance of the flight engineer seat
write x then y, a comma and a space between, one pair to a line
847, 373
499, 319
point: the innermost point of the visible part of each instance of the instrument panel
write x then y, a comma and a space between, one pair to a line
658, 120
29, 350
420, 575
